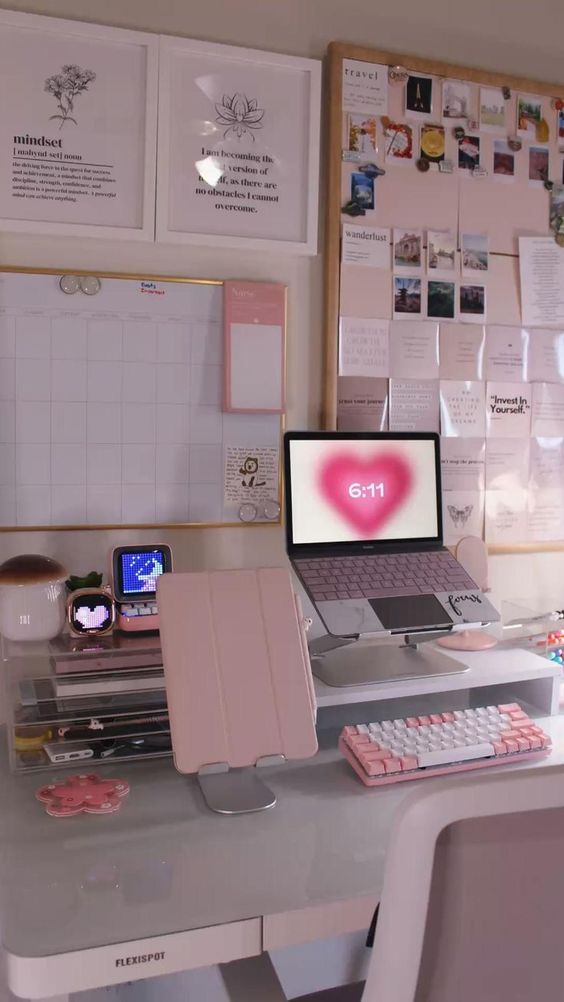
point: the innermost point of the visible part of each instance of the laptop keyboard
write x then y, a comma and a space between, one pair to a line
383, 575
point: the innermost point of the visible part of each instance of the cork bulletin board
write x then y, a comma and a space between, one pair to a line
440, 177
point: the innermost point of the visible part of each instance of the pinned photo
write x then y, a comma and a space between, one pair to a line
408, 245
440, 300
492, 109
456, 100
538, 164
529, 115
557, 208
469, 153
398, 138
362, 134
441, 250
474, 252
561, 128
418, 96
362, 190
407, 297
473, 303
503, 159
432, 143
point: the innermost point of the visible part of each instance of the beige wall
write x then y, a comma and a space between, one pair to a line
512, 35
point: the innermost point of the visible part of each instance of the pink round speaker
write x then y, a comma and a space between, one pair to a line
472, 553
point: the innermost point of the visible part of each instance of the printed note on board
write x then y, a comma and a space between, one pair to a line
463, 463
547, 463
508, 410
461, 351
541, 264
545, 518
507, 463
545, 356
362, 404
366, 245
365, 87
363, 347
548, 410
506, 516
414, 349
462, 408
506, 353
463, 515
414, 406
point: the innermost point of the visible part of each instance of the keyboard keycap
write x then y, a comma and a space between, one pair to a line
388, 592
451, 755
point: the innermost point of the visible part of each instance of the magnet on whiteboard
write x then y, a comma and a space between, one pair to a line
90, 284
271, 510
69, 284
248, 512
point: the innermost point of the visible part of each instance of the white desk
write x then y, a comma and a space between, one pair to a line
167, 878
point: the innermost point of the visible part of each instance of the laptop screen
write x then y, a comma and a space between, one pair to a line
347, 488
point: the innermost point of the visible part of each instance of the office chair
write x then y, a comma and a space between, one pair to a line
472, 901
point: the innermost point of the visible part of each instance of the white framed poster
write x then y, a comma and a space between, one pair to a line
78, 124
238, 147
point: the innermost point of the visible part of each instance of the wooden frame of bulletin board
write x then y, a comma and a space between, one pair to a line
467, 359
130, 401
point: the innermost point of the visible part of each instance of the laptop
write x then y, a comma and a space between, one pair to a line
364, 534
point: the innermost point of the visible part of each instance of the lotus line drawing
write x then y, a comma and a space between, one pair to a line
240, 114
65, 88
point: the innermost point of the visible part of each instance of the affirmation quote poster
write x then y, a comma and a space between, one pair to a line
75, 146
235, 154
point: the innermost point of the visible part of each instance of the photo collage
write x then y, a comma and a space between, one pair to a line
433, 279
456, 127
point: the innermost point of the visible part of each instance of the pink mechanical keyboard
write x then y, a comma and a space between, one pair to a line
383, 575
438, 743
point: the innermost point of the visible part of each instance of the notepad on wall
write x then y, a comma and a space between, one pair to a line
255, 331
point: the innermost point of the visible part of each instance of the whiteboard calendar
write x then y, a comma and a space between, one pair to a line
111, 408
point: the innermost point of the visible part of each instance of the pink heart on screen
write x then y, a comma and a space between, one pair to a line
383, 482
92, 618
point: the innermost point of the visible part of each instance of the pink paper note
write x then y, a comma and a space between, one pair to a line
255, 332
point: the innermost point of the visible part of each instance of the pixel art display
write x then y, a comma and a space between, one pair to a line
140, 571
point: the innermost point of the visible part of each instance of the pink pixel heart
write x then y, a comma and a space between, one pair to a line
366, 492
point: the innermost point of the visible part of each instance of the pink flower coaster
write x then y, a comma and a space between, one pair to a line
85, 793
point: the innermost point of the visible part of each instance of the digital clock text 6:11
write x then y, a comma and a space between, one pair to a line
357, 490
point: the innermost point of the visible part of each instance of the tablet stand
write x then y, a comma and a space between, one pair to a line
358, 661
238, 679
235, 791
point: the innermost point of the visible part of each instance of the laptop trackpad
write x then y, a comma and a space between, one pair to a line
409, 613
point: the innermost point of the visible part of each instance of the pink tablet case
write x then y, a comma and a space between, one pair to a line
237, 669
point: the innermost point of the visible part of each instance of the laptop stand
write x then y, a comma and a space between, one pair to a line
238, 679
351, 661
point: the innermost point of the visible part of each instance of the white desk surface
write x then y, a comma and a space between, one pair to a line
165, 864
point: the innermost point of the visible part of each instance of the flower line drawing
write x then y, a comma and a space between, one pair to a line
240, 115
65, 88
